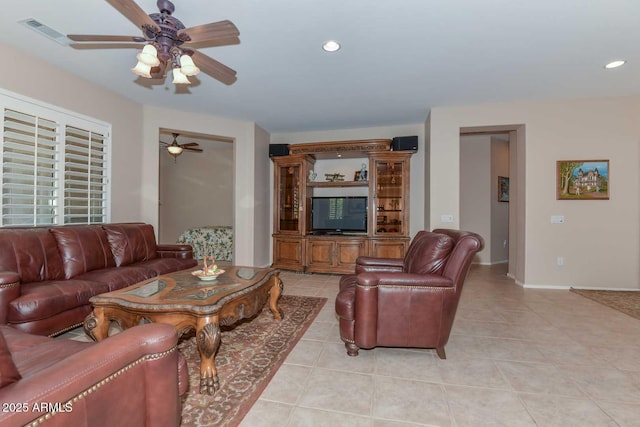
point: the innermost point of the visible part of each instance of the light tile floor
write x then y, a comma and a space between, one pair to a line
516, 357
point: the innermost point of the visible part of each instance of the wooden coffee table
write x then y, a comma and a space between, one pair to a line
187, 303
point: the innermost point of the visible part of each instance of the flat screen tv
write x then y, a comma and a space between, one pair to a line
339, 214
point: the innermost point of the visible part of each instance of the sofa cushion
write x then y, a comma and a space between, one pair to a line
167, 265
30, 252
40, 300
83, 248
8, 371
131, 243
118, 278
428, 253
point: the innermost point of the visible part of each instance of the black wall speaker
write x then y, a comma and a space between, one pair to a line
404, 143
276, 150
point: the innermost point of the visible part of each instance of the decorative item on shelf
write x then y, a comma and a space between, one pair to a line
312, 175
363, 172
332, 177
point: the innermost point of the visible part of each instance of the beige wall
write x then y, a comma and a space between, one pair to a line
196, 189
245, 182
262, 199
499, 247
44, 82
475, 190
599, 239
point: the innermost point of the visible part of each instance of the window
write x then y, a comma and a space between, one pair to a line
54, 165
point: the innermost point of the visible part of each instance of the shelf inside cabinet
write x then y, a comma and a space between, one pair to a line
338, 183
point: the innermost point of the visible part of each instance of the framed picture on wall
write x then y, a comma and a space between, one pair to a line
503, 189
582, 180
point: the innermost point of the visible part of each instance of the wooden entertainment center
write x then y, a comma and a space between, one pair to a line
386, 185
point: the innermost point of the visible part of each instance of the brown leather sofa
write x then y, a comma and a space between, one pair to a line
134, 378
48, 274
408, 302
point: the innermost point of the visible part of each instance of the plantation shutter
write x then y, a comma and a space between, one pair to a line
29, 169
55, 165
84, 177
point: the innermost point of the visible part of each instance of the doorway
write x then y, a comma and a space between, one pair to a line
195, 187
502, 217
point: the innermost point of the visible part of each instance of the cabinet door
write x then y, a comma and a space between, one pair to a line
388, 248
320, 254
391, 195
288, 253
347, 251
289, 188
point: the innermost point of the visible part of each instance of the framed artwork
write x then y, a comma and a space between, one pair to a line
503, 189
582, 180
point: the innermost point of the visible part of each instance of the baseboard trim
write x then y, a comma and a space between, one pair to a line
506, 261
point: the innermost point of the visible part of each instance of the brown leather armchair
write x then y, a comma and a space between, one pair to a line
408, 302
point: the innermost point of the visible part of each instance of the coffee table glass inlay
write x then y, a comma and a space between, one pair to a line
188, 303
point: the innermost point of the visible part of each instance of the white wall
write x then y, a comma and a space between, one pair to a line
42, 81
196, 189
246, 165
599, 239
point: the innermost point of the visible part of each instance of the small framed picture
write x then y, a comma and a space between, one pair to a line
503, 189
356, 177
582, 180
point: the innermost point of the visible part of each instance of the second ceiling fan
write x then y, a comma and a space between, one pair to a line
166, 40
176, 149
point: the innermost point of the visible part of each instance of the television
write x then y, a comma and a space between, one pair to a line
338, 215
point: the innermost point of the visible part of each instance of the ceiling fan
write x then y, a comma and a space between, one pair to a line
166, 43
176, 149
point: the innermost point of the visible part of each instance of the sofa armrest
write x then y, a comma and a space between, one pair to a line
366, 264
130, 378
174, 251
404, 280
9, 290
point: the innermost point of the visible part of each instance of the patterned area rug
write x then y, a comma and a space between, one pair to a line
627, 302
250, 354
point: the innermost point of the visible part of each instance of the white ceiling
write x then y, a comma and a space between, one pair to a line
399, 58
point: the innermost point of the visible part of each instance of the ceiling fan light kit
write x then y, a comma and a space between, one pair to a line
179, 78
142, 69
165, 36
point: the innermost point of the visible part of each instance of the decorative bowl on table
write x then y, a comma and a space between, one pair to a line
210, 275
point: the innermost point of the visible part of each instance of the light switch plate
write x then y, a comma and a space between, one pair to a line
557, 219
446, 218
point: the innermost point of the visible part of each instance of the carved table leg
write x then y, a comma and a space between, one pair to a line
208, 339
274, 296
96, 325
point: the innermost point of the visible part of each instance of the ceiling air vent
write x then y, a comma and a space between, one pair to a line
46, 31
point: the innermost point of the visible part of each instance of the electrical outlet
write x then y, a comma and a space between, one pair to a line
560, 261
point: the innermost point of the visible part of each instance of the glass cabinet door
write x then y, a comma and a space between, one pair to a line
389, 197
289, 201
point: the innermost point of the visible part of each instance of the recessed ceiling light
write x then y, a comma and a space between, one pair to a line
615, 64
331, 46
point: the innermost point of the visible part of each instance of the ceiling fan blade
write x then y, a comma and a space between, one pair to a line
134, 13
190, 144
199, 150
215, 69
99, 38
213, 31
